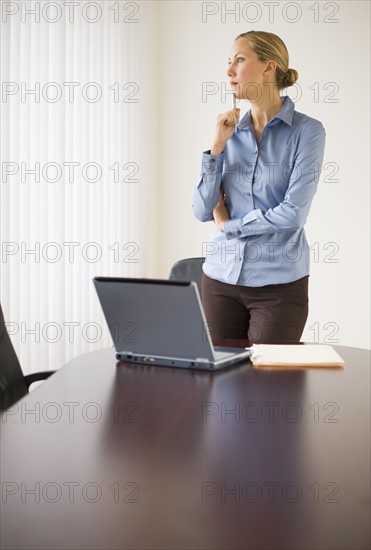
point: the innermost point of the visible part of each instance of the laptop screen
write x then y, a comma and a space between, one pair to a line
155, 317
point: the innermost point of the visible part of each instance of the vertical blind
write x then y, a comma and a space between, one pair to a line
79, 172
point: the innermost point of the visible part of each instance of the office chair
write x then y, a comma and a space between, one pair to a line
13, 384
189, 269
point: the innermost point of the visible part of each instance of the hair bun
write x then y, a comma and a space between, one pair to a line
290, 77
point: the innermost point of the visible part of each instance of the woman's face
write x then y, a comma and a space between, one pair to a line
245, 71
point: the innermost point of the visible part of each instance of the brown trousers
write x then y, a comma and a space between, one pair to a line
267, 314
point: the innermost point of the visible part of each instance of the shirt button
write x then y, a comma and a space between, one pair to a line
238, 232
229, 234
211, 169
248, 194
212, 160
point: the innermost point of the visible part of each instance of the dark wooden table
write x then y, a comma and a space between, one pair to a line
137, 457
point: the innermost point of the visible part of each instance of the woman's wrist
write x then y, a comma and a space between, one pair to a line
220, 220
217, 148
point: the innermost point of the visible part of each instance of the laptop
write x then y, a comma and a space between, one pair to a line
162, 323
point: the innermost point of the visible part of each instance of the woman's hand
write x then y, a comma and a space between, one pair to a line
220, 212
225, 128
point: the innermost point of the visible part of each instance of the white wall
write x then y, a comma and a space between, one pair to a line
332, 61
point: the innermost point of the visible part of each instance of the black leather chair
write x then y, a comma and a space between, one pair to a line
13, 384
189, 269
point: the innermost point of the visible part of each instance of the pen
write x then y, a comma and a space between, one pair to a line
233, 101
234, 105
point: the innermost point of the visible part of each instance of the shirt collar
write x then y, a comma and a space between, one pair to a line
286, 114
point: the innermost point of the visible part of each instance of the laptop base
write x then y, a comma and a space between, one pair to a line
196, 363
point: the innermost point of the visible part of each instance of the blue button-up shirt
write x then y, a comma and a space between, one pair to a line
268, 188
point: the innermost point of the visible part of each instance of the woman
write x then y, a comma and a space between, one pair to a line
257, 184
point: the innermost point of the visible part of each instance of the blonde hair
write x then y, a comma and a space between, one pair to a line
268, 46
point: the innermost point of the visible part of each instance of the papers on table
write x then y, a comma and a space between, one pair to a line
295, 355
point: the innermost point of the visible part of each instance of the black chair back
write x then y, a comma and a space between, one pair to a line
12, 383
189, 269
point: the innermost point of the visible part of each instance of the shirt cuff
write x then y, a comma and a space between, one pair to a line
212, 164
234, 228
